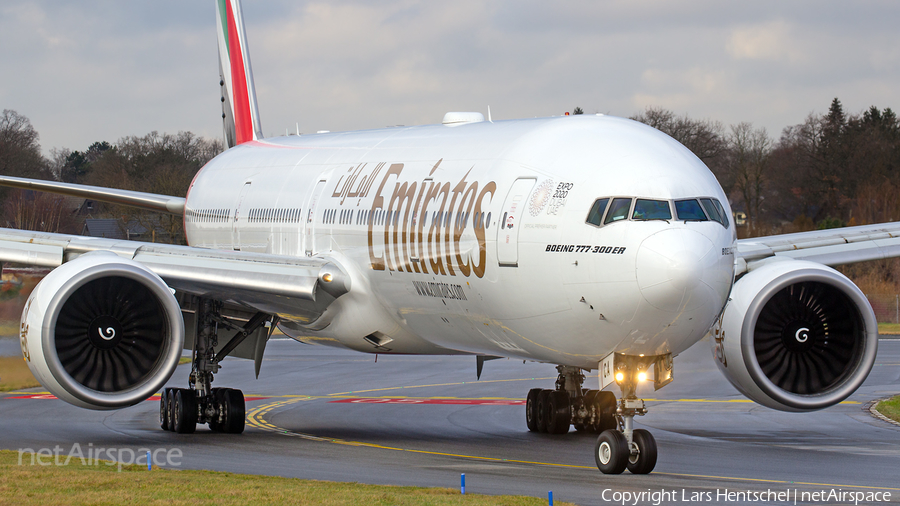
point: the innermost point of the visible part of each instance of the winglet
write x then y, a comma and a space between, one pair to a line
239, 110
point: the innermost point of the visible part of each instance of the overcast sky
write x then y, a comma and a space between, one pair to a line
99, 70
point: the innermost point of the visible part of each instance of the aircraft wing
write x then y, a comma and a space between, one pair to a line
298, 288
833, 246
150, 201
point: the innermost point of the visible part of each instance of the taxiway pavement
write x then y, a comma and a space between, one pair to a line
337, 415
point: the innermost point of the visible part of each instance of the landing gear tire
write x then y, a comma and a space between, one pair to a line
164, 409
170, 409
644, 460
543, 410
606, 407
559, 412
235, 411
611, 452
214, 424
185, 411
531, 409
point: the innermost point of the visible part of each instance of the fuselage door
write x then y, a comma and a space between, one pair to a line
309, 240
235, 226
511, 221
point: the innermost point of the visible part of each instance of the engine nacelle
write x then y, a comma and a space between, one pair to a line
796, 336
102, 332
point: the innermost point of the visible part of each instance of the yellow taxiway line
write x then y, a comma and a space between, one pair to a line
256, 418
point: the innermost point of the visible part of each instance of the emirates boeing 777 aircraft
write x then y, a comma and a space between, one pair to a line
592, 242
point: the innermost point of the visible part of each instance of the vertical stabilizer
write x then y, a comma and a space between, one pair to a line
239, 111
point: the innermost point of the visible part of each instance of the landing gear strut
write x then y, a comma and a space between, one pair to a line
223, 409
619, 446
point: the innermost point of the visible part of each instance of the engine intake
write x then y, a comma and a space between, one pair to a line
102, 332
796, 336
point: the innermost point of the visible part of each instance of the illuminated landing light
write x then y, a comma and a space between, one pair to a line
642, 376
620, 376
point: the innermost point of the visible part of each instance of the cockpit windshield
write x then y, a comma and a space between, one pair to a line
608, 210
715, 211
595, 216
689, 210
651, 210
618, 210
722, 213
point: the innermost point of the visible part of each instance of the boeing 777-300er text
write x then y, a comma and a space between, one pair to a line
592, 242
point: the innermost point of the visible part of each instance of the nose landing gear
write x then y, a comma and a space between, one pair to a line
627, 447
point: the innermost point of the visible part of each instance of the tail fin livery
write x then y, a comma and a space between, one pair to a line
239, 111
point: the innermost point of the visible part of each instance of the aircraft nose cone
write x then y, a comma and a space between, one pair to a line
672, 267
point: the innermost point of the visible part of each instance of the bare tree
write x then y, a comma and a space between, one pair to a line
155, 163
40, 211
57, 162
748, 162
876, 202
703, 137
20, 151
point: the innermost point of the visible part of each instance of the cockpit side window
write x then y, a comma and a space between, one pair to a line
645, 209
595, 215
714, 212
722, 213
618, 210
689, 210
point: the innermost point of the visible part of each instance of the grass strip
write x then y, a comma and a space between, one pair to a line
890, 408
81, 484
14, 374
889, 328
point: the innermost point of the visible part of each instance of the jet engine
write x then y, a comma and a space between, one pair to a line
102, 332
796, 336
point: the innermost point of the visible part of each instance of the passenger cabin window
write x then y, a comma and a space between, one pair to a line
595, 215
645, 209
618, 210
689, 210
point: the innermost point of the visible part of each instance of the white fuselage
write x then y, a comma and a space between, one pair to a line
473, 238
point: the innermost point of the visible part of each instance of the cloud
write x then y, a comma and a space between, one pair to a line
771, 41
100, 69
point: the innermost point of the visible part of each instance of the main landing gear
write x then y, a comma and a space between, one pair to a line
181, 409
619, 446
553, 411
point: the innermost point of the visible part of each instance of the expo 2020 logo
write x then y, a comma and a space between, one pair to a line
540, 197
